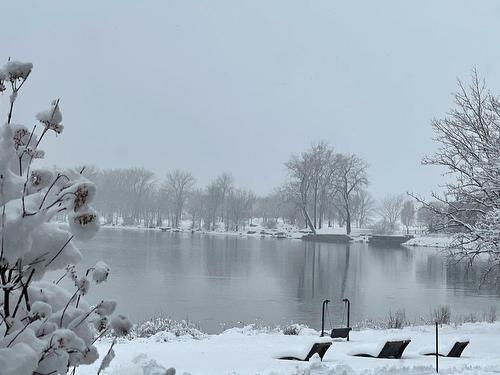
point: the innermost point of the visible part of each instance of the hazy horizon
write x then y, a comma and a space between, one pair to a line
239, 86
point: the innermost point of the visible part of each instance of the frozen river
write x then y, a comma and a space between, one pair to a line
223, 281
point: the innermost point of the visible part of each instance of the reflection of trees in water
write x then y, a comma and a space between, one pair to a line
464, 275
430, 269
225, 256
325, 273
435, 270
346, 270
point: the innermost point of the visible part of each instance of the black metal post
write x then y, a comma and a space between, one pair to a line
346, 300
325, 302
437, 348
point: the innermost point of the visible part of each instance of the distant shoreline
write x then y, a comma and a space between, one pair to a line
430, 241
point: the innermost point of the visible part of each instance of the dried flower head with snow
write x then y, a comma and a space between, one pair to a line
121, 325
78, 195
89, 355
84, 193
21, 135
71, 272
51, 117
83, 285
84, 225
16, 70
100, 272
105, 308
40, 310
41, 178
101, 323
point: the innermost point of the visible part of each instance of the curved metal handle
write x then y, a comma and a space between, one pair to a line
325, 303
346, 301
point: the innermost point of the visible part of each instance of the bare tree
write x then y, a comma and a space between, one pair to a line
390, 211
351, 178
429, 217
178, 185
322, 174
216, 194
362, 207
125, 193
300, 170
239, 208
469, 139
224, 185
195, 206
139, 183
408, 214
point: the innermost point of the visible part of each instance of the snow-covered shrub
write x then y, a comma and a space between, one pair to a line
292, 329
491, 316
45, 328
441, 315
469, 318
163, 325
397, 320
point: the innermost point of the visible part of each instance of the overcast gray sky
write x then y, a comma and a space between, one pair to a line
237, 86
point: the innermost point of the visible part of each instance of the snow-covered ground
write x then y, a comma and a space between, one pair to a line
429, 241
251, 351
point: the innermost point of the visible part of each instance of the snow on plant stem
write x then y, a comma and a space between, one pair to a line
44, 328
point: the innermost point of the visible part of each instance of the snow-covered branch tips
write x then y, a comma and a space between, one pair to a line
45, 327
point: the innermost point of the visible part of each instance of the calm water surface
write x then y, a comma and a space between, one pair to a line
223, 281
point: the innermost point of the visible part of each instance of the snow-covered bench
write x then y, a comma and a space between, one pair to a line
389, 349
451, 350
318, 346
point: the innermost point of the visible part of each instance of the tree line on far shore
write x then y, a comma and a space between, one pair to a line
322, 189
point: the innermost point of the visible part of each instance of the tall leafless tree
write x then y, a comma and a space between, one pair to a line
362, 207
300, 168
351, 179
239, 208
196, 205
408, 215
178, 185
216, 194
390, 211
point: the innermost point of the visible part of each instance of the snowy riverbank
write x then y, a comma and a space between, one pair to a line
253, 230
429, 241
250, 351
291, 232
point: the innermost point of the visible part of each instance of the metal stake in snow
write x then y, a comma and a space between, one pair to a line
437, 348
325, 302
346, 301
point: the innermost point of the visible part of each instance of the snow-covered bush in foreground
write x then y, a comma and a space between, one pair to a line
44, 328
165, 329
